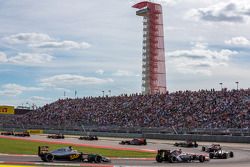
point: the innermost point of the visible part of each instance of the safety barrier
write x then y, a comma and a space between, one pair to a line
208, 138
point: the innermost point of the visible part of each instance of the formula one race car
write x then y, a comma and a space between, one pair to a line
56, 136
135, 141
90, 137
179, 156
212, 148
22, 134
221, 154
7, 133
187, 143
68, 154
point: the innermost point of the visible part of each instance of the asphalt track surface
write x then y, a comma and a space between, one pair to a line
241, 153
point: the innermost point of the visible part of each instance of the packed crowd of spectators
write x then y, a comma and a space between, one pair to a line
182, 109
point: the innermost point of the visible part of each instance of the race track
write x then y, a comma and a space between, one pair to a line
241, 152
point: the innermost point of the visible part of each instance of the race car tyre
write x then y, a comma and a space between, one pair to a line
203, 148
98, 159
201, 158
43, 159
195, 145
224, 156
49, 157
172, 159
211, 155
122, 142
176, 144
231, 154
158, 158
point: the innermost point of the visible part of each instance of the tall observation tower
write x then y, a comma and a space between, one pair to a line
153, 56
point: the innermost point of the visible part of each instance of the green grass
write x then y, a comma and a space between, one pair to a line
9, 146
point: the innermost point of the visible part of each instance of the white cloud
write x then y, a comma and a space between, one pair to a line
27, 38
3, 57
15, 89
100, 71
230, 11
72, 80
238, 41
61, 45
122, 73
44, 41
199, 59
30, 59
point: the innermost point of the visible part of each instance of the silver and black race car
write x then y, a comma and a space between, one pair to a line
22, 134
221, 154
68, 154
187, 143
179, 156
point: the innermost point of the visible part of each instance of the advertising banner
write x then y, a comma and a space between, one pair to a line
7, 110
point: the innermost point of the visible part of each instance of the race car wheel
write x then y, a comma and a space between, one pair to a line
231, 154
195, 145
211, 155
158, 158
224, 156
203, 148
49, 157
172, 159
201, 158
98, 159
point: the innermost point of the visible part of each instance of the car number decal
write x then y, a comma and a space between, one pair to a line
74, 156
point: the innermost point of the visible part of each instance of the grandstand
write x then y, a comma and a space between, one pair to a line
204, 109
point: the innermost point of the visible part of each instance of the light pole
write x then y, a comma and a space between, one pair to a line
237, 84
221, 85
75, 93
103, 93
109, 92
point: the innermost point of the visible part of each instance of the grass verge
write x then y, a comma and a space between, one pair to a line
9, 146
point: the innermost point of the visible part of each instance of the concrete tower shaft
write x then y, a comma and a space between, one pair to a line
153, 56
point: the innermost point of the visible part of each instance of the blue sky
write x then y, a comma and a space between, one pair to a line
54, 46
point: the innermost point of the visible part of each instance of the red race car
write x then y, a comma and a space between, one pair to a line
135, 141
56, 136
7, 133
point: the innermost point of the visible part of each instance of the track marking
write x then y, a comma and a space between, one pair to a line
112, 158
6, 165
21, 164
18, 155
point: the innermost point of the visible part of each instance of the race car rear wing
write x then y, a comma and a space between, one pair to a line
43, 150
